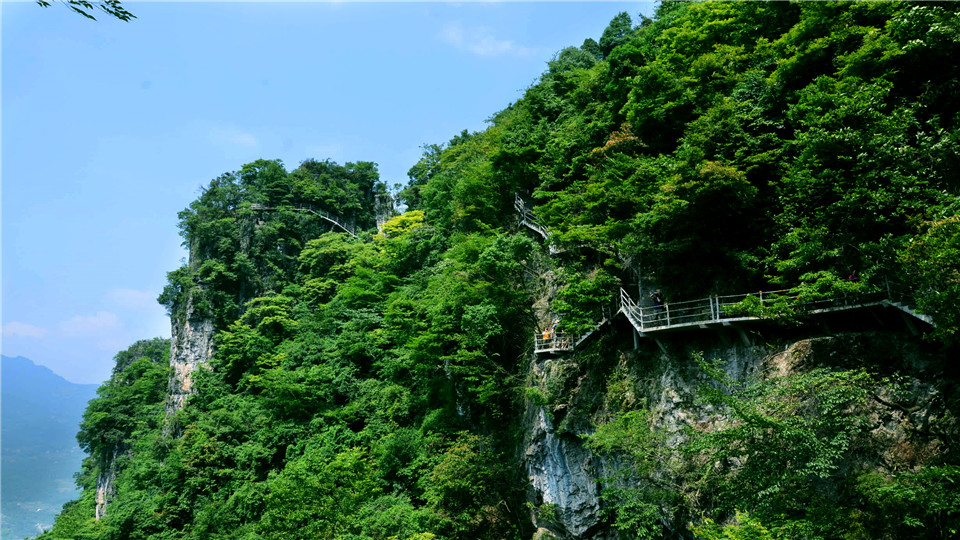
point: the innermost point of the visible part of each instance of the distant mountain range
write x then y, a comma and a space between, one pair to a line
40, 412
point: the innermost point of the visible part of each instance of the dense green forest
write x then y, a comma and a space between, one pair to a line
373, 385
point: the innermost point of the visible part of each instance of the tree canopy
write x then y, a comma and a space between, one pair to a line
374, 385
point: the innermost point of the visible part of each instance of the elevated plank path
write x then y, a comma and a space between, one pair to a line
717, 311
725, 310
559, 342
322, 214
707, 312
527, 219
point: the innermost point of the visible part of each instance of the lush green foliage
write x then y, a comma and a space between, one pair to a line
932, 259
130, 402
785, 436
117, 428
371, 386
746, 528
634, 496
353, 378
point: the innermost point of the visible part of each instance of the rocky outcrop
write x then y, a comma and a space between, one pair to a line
191, 348
572, 394
105, 488
562, 474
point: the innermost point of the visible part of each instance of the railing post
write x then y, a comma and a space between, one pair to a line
667, 308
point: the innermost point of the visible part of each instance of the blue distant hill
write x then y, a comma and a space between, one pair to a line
40, 413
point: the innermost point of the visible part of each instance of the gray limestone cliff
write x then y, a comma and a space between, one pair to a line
191, 348
575, 392
105, 488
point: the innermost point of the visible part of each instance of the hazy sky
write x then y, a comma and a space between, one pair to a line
110, 128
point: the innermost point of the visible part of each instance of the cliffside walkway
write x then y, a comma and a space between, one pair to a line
527, 219
557, 342
716, 311
711, 311
724, 310
322, 214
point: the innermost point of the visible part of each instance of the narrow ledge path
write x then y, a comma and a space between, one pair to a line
708, 312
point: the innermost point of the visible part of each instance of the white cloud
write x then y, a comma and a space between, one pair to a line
19, 329
481, 41
233, 136
103, 322
133, 299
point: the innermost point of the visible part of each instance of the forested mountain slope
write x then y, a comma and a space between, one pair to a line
38, 423
383, 384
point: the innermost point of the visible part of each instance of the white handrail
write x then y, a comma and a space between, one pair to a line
527, 218
322, 214
553, 341
714, 309
710, 310
693, 312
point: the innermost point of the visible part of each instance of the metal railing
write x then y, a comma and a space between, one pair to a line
672, 314
554, 342
904, 300
715, 309
527, 218
322, 214
727, 308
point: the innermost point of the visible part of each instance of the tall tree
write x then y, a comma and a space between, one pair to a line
616, 33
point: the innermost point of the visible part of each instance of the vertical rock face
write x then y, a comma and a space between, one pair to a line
191, 347
561, 472
576, 392
105, 488
564, 474
382, 209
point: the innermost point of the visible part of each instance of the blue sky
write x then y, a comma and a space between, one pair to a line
110, 128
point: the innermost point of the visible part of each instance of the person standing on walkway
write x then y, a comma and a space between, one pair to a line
658, 303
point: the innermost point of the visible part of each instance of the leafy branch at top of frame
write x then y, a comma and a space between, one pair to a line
114, 8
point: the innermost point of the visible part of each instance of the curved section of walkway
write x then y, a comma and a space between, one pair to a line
322, 214
527, 219
719, 311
